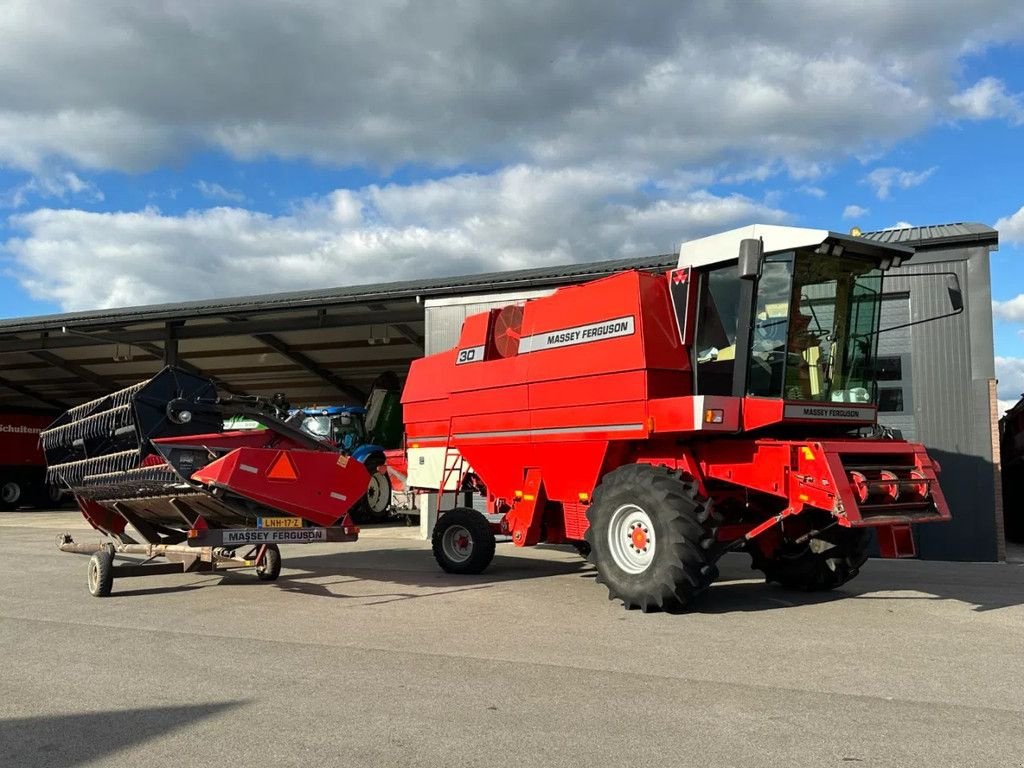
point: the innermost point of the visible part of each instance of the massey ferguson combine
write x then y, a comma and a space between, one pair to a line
659, 421
156, 457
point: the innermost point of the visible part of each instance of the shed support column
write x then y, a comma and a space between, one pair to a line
170, 344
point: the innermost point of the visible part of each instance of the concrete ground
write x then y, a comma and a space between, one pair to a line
366, 654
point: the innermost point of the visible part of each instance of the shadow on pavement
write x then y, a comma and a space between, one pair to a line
985, 586
47, 741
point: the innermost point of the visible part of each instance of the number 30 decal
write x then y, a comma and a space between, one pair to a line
470, 355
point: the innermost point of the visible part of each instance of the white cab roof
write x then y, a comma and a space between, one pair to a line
726, 245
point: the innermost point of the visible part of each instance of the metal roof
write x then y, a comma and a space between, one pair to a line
947, 234
351, 294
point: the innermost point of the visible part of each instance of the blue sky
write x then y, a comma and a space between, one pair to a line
150, 154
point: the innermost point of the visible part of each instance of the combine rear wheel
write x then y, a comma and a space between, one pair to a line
463, 541
828, 560
651, 537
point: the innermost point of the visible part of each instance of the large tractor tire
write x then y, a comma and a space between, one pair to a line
463, 541
828, 560
651, 537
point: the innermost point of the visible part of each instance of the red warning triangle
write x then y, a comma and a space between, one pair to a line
282, 468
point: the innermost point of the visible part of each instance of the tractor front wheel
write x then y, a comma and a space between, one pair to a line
827, 560
651, 537
463, 541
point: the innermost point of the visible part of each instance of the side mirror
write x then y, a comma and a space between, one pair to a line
751, 253
956, 296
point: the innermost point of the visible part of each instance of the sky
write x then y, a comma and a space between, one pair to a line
158, 151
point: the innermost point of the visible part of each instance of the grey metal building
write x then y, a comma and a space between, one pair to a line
327, 346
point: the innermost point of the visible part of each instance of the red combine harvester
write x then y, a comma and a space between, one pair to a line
155, 457
659, 421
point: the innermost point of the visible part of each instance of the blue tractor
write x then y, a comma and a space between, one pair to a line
345, 427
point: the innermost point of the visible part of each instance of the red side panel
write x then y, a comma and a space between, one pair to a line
315, 485
19, 439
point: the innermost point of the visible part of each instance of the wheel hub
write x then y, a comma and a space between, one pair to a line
631, 539
458, 543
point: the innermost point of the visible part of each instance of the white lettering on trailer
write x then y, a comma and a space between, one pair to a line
470, 355
275, 536
581, 334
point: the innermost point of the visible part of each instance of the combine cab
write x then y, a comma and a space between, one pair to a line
657, 422
156, 458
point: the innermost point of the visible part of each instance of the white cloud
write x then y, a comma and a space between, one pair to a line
517, 217
656, 85
1010, 373
902, 225
1004, 405
813, 191
1011, 228
1011, 310
50, 184
213, 191
988, 99
854, 212
884, 179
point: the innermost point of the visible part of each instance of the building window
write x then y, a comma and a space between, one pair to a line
890, 399
889, 367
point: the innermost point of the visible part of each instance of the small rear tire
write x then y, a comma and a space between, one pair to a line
270, 567
101, 572
463, 541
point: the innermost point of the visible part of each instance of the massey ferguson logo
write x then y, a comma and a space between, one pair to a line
838, 413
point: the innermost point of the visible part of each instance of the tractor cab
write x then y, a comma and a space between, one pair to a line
345, 426
792, 324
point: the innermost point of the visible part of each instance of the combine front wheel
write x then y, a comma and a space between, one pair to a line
463, 541
650, 537
827, 561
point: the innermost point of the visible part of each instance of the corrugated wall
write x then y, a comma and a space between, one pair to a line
952, 369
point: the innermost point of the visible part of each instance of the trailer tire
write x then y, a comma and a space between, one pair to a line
463, 541
375, 504
651, 537
101, 572
270, 568
12, 492
825, 562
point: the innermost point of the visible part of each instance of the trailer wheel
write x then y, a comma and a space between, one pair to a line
101, 572
463, 541
375, 505
825, 562
651, 537
270, 568
12, 492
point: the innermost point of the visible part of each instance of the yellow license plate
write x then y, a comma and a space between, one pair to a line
280, 522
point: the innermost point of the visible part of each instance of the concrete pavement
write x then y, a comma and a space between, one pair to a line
367, 654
